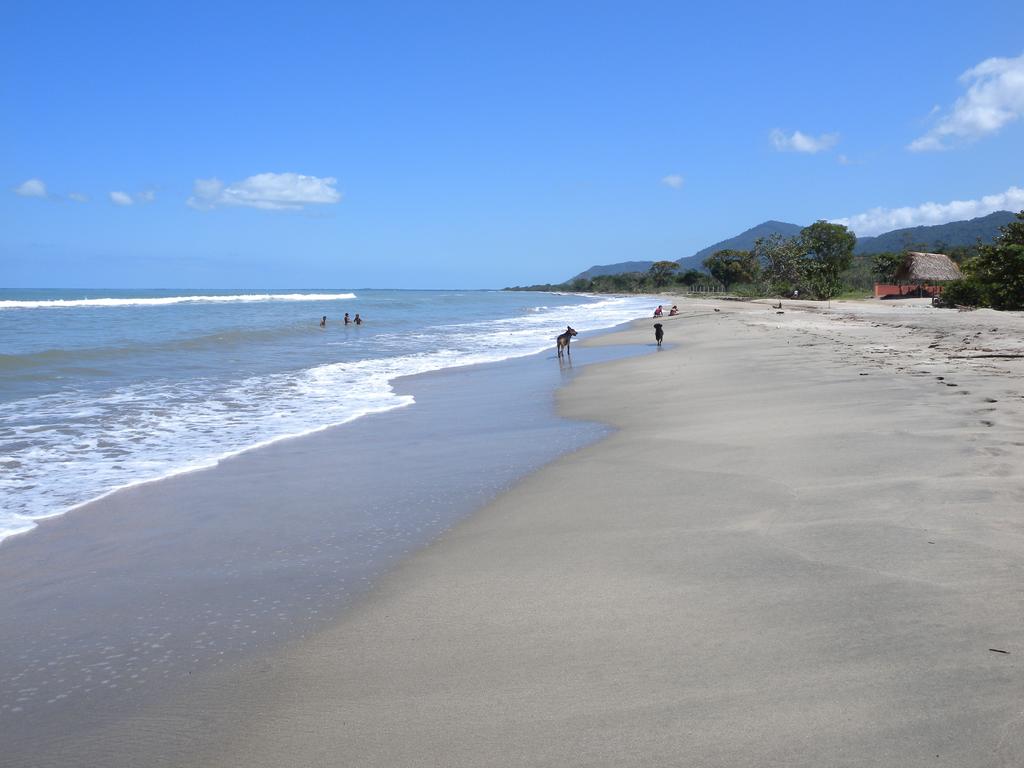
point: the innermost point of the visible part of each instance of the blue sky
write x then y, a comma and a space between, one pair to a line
479, 145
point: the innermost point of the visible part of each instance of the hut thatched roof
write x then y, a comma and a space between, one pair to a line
927, 268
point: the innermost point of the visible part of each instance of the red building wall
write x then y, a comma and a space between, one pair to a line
885, 289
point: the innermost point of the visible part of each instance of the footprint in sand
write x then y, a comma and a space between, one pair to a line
991, 400
988, 423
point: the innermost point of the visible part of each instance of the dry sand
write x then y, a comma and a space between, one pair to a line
797, 550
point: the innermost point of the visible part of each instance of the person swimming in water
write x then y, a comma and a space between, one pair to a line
323, 321
358, 320
347, 319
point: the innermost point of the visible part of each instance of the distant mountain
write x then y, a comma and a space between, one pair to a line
934, 238
744, 241
613, 269
930, 238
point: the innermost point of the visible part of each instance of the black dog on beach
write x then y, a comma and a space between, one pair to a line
659, 334
562, 341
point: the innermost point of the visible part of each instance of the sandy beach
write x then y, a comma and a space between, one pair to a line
801, 546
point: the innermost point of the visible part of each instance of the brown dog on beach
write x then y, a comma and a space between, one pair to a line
562, 341
659, 334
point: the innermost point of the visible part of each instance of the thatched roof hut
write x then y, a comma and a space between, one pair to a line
927, 268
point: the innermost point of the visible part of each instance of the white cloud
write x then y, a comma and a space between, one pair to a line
31, 188
78, 197
801, 142
879, 220
995, 97
269, 191
121, 198
673, 180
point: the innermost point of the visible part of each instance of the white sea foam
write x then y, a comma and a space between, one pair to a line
64, 455
160, 301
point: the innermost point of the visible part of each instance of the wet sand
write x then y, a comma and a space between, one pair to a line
123, 603
802, 546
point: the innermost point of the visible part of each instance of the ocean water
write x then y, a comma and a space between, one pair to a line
104, 389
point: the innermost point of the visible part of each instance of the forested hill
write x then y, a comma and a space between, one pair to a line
937, 237
932, 238
613, 269
744, 241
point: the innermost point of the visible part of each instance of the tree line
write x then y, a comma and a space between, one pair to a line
819, 263
994, 276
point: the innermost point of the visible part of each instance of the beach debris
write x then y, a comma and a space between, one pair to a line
998, 650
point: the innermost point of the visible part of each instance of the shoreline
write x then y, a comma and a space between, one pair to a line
742, 577
157, 584
212, 462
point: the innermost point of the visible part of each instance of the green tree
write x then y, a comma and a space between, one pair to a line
781, 261
828, 250
884, 266
580, 284
998, 269
822, 281
690, 277
730, 267
661, 272
961, 253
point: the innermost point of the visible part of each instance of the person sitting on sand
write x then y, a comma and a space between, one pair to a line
323, 321
657, 312
358, 320
674, 311
347, 319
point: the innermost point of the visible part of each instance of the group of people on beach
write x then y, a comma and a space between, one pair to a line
660, 311
347, 320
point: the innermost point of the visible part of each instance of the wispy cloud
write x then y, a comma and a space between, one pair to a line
78, 197
879, 220
146, 196
802, 142
994, 97
673, 180
269, 191
121, 198
31, 188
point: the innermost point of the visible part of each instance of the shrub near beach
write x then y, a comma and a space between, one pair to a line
995, 277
